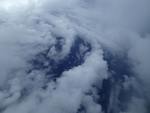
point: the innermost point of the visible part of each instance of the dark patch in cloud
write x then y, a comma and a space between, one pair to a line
112, 91
54, 68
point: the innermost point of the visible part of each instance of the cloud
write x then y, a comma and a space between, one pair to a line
140, 55
31, 27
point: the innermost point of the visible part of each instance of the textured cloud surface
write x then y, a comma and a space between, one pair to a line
74, 56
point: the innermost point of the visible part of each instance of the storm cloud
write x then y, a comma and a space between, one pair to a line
74, 56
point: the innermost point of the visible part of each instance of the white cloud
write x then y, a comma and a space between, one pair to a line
28, 27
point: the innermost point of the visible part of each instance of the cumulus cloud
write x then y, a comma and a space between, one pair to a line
31, 28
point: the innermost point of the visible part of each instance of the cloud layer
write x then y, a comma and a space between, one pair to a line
97, 40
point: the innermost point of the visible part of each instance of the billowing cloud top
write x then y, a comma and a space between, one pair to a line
74, 56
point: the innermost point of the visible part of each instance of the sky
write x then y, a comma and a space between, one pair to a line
33, 30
